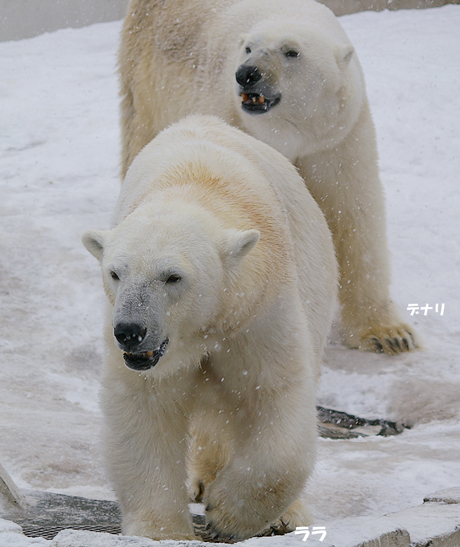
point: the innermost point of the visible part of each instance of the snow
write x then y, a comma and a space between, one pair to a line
59, 144
11, 536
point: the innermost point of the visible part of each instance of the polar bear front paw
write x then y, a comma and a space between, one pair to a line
389, 340
177, 531
234, 516
231, 517
296, 515
223, 525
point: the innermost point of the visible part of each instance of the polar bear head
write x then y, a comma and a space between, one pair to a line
296, 87
165, 269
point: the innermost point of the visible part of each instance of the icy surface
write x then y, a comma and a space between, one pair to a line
59, 149
11, 536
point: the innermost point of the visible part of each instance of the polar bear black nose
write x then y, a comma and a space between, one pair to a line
248, 75
129, 335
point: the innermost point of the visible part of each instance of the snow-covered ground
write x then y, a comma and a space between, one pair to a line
59, 149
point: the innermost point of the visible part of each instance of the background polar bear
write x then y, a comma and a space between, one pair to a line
298, 87
221, 276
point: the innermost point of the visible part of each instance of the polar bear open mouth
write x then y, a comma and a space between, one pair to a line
256, 103
146, 359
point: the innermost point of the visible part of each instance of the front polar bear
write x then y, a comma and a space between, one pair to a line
286, 73
220, 275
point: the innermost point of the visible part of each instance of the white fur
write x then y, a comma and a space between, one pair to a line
180, 57
233, 398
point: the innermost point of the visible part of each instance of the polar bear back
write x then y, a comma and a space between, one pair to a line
179, 58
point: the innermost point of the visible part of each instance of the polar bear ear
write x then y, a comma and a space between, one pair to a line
344, 55
94, 242
238, 243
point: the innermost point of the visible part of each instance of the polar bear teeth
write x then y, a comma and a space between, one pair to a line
253, 98
140, 354
145, 360
160, 351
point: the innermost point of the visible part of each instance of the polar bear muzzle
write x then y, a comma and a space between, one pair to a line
130, 337
145, 360
257, 95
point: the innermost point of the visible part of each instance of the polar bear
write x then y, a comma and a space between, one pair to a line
220, 275
286, 73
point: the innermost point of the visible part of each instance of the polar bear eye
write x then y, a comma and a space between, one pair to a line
114, 276
173, 278
248, 50
292, 53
